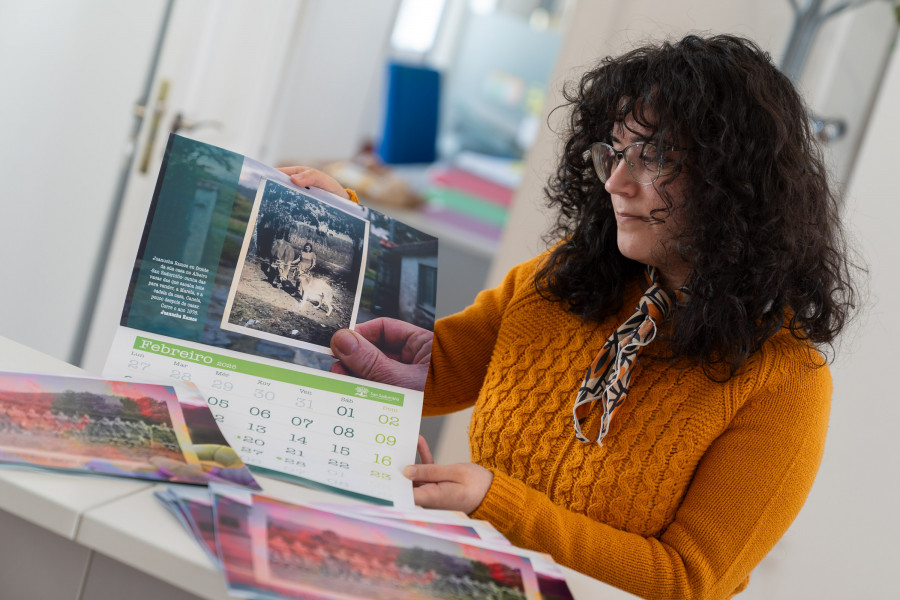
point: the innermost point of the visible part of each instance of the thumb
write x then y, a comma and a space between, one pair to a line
365, 360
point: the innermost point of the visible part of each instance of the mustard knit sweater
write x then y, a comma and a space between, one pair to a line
695, 482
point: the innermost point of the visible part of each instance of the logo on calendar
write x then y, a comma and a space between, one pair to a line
362, 391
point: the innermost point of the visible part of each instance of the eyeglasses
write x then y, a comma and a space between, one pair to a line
645, 163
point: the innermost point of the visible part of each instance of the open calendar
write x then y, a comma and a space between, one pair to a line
240, 281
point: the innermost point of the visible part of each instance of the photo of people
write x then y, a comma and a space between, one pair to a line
126, 427
310, 550
300, 272
107, 427
288, 551
30, 429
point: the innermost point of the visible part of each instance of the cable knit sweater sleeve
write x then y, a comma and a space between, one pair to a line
746, 490
463, 344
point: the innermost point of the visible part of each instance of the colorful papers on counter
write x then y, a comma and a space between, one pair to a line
118, 428
468, 200
506, 172
268, 548
472, 185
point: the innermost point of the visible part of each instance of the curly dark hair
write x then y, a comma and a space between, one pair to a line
763, 236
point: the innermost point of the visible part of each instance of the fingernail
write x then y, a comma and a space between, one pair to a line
345, 342
409, 472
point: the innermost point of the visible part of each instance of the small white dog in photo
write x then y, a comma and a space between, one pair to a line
316, 291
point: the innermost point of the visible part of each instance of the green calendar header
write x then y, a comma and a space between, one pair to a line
246, 367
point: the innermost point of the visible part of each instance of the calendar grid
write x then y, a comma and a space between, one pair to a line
339, 433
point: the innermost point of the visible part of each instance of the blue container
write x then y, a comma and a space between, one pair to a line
411, 115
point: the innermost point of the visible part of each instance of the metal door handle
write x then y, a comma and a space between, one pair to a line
158, 109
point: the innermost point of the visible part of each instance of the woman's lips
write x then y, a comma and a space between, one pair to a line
626, 217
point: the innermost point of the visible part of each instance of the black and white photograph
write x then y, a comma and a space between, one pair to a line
300, 273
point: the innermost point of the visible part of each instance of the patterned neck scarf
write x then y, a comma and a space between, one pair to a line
609, 375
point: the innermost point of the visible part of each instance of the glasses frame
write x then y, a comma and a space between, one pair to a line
618, 156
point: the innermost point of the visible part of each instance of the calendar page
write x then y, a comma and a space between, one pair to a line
241, 280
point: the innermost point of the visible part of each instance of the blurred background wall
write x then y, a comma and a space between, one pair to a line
92, 88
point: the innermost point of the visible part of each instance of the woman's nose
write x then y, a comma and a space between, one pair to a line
620, 181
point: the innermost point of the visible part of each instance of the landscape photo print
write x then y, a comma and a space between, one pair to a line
300, 273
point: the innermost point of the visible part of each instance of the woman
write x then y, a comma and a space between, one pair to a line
666, 448
307, 259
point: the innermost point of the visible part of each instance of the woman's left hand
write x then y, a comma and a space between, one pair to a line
450, 487
384, 350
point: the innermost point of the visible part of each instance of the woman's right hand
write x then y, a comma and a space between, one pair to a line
384, 350
307, 176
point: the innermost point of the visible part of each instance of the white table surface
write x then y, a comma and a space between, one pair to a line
121, 518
